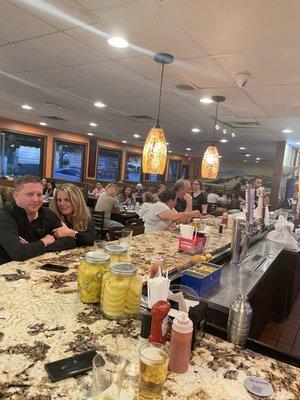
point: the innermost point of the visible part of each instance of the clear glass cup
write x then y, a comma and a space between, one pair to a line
107, 377
154, 361
204, 209
126, 237
99, 245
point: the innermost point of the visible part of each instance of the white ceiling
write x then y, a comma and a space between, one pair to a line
56, 51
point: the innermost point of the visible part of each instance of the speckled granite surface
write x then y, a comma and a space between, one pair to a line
42, 320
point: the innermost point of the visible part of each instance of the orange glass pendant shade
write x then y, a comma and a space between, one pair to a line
210, 163
155, 152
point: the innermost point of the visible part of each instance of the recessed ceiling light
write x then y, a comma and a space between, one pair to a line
196, 130
245, 161
136, 135
217, 127
90, 134
242, 148
170, 151
99, 104
43, 123
186, 155
206, 100
167, 143
188, 149
247, 155
124, 141
220, 156
117, 41
257, 158
223, 140
256, 162
27, 107
287, 131
224, 131
93, 124
232, 134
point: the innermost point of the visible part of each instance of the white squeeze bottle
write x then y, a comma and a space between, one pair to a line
181, 341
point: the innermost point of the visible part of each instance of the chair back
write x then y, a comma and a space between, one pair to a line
98, 219
114, 233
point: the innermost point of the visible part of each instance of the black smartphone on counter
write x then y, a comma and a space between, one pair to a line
55, 268
71, 366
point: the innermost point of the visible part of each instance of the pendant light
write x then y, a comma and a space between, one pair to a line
155, 147
210, 160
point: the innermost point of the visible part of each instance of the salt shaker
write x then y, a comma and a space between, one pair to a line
239, 321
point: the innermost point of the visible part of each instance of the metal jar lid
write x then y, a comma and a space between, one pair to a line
115, 248
123, 269
97, 257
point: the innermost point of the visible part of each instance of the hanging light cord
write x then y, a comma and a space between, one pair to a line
160, 94
216, 120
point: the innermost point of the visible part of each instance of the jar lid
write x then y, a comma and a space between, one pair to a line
124, 269
97, 257
115, 248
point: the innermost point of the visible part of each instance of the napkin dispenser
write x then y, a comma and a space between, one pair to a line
191, 241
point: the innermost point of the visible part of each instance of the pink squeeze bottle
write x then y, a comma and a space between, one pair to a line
181, 340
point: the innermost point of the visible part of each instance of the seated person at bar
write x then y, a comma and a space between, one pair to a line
108, 202
184, 199
214, 198
26, 227
199, 197
69, 206
163, 216
99, 189
161, 188
126, 196
148, 201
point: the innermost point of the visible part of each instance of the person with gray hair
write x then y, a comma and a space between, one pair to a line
182, 189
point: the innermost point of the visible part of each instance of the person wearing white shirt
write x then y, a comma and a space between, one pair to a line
214, 198
162, 215
148, 201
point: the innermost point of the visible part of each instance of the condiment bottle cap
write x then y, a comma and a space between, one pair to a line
182, 323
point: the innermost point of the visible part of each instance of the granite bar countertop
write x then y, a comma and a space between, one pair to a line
42, 320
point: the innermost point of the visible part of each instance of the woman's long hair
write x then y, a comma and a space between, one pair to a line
81, 214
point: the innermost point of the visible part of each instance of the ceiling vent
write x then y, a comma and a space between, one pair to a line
54, 118
183, 86
243, 124
142, 117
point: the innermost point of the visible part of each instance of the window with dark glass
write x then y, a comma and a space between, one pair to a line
156, 178
108, 166
185, 171
68, 161
133, 167
173, 171
21, 154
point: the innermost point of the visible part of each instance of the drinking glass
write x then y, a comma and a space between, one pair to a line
126, 237
107, 377
154, 360
99, 245
204, 209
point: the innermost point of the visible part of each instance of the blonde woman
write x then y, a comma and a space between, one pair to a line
69, 205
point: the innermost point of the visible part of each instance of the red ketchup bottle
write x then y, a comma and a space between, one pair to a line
159, 314
181, 341
156, 263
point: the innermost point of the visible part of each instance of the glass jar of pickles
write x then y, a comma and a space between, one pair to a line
89, 276
117, 253
121, 292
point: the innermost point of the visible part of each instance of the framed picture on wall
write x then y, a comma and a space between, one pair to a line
108, 166
133, 167
173, 170
68, 161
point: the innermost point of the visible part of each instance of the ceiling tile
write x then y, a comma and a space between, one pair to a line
145, 66
227, 27
283, 95
96, 38
93, 4
14, 58
202, 72
59, 77
267, 68
145, 24
108, 72
16, 25
69, 8
62, 49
